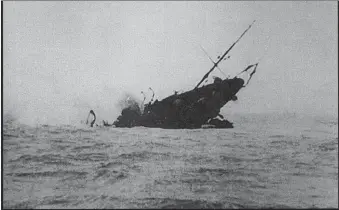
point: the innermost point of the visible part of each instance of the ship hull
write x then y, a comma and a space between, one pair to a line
190, 110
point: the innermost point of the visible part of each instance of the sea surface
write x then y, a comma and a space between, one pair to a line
266, 161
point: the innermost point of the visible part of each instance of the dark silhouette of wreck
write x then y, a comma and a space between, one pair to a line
197, 108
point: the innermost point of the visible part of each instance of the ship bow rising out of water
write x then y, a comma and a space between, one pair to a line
197, 108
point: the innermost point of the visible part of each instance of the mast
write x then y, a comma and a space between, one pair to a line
223, 56
213, 61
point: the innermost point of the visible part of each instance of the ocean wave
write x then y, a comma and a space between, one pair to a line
76, 167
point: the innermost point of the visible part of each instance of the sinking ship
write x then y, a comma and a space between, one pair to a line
196, 108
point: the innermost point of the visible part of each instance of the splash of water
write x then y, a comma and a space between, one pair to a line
128, 100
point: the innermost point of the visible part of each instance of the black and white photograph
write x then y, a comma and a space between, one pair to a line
169, 104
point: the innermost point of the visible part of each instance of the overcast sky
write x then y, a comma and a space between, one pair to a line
63, 58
